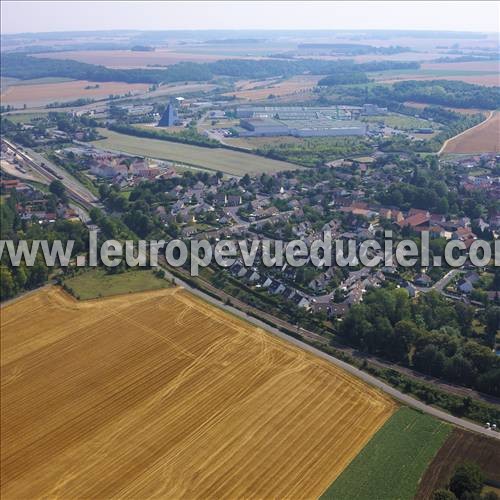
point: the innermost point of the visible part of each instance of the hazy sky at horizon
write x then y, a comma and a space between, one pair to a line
40, 16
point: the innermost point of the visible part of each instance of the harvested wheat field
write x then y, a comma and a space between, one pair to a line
123, 59
279, 88
40, 94
159, 394
482, 138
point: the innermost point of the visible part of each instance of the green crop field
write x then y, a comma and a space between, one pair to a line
392, 463
225, 160
400, 122
97, 283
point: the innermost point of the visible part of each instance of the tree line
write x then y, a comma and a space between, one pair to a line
430, 334
23, 66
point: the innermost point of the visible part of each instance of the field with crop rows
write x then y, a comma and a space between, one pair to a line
480, 139
461, 446
40, 94
391, 464
224, 160
159, 394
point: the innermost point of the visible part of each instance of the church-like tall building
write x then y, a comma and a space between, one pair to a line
169, 117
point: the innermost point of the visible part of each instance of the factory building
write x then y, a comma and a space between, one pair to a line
298, 112
373, 110
268, 127
263, 127
299, 121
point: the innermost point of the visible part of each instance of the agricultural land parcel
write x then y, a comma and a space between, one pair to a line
40, 94
477, 72
129, 59
392, 463
461, 446
278, 88
482, 138
225, 160
161, 394
97, 283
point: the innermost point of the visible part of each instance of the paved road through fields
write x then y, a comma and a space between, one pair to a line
366, 377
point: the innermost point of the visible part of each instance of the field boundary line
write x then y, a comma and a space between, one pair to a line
443, 147
360, 374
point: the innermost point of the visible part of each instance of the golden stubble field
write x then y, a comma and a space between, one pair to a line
255, 91
485, 137
40, 94
159, 394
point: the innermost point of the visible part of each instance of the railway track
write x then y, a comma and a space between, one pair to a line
88, 201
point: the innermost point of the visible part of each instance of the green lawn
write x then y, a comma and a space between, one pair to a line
390, 466
225, 160
25, 117
97, 283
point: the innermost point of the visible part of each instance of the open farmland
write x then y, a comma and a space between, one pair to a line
475, 77
484, 66
225, 160
461, 446
263, 89
160, 394
482, 138
392, 463
131, 59
464, 111
40, 94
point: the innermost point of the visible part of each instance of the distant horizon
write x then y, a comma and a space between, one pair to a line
31, 17
346, 30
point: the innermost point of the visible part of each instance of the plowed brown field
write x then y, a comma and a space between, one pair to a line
461, 446
160, 394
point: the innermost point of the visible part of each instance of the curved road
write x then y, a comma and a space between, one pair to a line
398, 395
369, 379
443, 147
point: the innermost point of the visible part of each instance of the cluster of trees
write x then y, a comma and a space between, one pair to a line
343, 78
430, 335
447, 93
314, 152
138, 211
354, 49
16, 279
465, 484
424, 190
438, 191
25, 67
39, 127
452, 124
435, 92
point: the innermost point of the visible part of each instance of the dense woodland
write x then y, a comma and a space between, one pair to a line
434, 92
14, 280
429, 334
25, 67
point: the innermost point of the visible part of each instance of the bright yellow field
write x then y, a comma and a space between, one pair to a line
159, 394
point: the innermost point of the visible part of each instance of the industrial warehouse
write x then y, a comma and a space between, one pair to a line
266, 121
